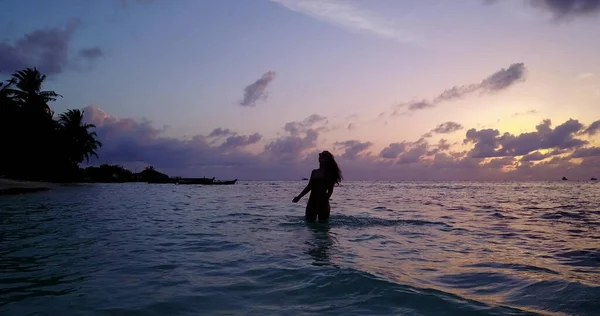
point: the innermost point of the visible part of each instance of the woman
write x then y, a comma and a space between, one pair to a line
320, 186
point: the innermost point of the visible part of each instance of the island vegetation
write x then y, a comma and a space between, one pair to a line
38, 145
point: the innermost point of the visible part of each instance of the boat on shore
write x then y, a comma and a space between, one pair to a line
224, 182
195, 180
204, 181
162, 180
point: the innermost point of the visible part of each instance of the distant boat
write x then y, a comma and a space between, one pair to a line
162, 180
195, 180
593, 179
205, 181
304, 178
224, 182
564, 178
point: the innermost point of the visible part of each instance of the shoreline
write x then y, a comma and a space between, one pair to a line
14, 187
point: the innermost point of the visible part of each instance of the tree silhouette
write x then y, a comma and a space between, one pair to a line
80, 143
34, 144
28, 95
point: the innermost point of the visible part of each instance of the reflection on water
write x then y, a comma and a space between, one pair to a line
320, 244
416, 248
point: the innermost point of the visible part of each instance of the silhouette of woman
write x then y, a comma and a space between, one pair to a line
320, 186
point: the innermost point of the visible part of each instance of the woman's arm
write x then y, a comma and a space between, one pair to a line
330, 189
306, 189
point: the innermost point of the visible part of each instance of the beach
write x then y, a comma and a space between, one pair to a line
9, 186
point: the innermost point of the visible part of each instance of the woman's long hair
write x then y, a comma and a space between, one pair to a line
332, 169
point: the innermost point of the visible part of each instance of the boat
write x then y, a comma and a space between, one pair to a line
195, 180
205, 181
162, 180
225, 182
593, 179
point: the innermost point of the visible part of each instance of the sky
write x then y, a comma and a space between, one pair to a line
396, 90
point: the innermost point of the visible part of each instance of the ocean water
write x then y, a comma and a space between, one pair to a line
390, 248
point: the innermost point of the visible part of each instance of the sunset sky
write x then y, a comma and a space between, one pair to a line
253, 89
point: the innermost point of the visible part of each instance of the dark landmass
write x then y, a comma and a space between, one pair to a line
11, 187
39, 146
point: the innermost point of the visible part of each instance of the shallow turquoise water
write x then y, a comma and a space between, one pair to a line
406, 248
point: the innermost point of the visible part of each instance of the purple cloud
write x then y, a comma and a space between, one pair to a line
593, 129
498, 81
91, 53
124, 3
352, 148
257, 90
46, 49
489, 142
132, 142
393, 150
586, 152
444, 128
238, 141
223, 153
567, 9
530, 112
303, 136
219, 132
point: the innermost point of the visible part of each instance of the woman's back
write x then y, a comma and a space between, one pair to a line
320, 183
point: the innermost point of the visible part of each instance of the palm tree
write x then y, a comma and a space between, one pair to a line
80, 143
28, 93
6, 98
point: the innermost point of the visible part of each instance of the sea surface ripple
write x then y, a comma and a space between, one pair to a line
401, 248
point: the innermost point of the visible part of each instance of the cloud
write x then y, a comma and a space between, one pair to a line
593, 129
91, 53
568, 9
586, 152
257, 90
346, 15
547, 153
445, 128
393, 150
124, 3
126, 141
490, 143
218, 132
530, 112
302, 137
585, 75
352, 148
311, 122
46, 49
536, 156
239, 141
498, 81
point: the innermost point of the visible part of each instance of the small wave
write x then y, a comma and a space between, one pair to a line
582, 258
343, 291
363, 222
383, 209
511, 266
499, 215
561, 214
482, 283
360, 221
458, 208
566, 298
